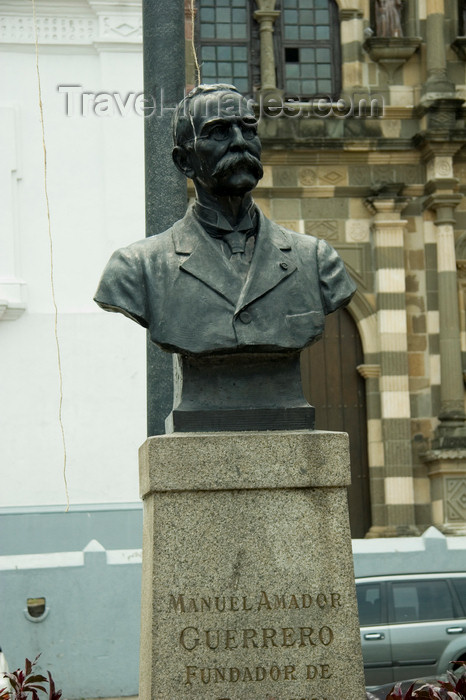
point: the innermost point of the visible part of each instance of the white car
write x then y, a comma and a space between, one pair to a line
412, 626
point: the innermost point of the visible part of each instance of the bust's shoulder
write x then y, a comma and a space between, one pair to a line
147, 248
155, 242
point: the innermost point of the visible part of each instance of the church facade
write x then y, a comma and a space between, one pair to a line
362, 123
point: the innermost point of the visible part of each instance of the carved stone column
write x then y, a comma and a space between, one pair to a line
398, 493
411, 19
437, 85
451, 432
266, 16
447, 458
461, 270
375, 447
189, 22
452, 429
351, 30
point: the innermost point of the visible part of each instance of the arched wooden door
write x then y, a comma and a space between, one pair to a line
333, 385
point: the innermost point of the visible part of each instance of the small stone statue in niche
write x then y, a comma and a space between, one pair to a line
388, 18
235, 295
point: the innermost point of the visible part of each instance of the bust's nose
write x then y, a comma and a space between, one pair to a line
237, 140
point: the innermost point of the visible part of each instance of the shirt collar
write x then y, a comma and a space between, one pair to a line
217, 225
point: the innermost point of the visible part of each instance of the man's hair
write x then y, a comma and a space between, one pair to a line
183, 128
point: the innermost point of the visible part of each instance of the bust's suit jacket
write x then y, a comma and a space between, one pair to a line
180, 286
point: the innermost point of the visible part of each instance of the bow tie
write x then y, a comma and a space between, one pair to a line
236, 240
217, 226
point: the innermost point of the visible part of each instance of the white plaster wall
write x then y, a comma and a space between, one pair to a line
95, 181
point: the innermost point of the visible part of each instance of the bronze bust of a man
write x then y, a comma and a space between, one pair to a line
225, 280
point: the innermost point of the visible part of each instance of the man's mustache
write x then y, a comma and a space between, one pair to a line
231, 161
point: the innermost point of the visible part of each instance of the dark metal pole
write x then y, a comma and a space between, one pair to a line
165, 187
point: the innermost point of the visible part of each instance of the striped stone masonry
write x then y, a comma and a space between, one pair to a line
388, 234
447, 460
451, 390
375, 443
423, 337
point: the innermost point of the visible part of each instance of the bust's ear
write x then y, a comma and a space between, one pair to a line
182, 160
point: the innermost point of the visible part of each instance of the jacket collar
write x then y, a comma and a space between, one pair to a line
273, 260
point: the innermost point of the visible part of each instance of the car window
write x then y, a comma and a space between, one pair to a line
369, 604
459, 585
418, 601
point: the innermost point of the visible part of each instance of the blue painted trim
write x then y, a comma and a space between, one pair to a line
26, 530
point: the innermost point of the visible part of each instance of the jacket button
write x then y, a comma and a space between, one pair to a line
284, 265
245, 317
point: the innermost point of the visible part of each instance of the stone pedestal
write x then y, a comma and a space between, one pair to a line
242, 391
248, 586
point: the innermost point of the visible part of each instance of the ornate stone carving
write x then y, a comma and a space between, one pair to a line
128, 28
360, 175
460, 248
391, 52
441, 119
383, 173
88, 25
358, 230
411, 174
455, 499
333, 177
444, 167
327, 229
308, 177
50, 30
444, 455
439, 168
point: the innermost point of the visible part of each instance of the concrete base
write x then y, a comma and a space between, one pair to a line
248, 586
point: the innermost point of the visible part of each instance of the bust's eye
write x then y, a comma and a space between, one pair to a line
249, 131
220, 132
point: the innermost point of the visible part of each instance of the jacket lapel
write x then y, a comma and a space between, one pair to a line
272, 262
205, 260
